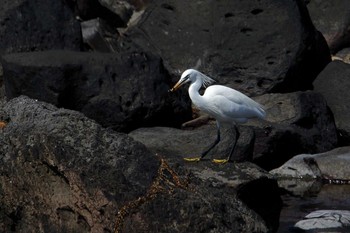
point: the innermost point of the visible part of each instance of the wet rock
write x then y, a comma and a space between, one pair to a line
332, 19
122, 91
331, 165
332, 81
99, 36
30, 25
325, 219
254, 46
296, 123
61, 170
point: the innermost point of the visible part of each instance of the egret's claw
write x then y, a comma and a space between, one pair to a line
220, 161
195, 159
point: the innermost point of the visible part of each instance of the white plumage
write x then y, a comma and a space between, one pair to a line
225, 104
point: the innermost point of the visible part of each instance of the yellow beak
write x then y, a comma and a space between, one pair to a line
176, 86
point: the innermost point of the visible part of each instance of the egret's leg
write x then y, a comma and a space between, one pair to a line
232, 149
204, 153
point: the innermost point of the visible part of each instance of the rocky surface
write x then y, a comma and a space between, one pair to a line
27, 25
122, 91
296, 122
79, 177
331, 165
253, 46
64, 172
301, 117
333, 84
326, 219
332, 19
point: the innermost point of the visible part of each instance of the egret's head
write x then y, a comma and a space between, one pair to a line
187, 76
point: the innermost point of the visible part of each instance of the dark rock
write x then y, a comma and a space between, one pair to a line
333, 84
296, 123
116, 13
190, 143
30, 25
99, 36
251, 184
255, 46
121, 8
332, 19
123, 91
63, 172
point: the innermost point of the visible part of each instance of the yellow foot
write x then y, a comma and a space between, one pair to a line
195, 159
220, 161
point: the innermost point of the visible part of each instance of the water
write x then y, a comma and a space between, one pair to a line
297, 204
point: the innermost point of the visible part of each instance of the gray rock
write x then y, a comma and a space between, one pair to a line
333, 84
99, 36
190, 143
62, 171
332, 19
323, 219
30, 25
296, 123
256, 47
123, 91
245, 180
331, 165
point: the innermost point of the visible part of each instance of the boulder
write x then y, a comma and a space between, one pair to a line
63, 172
333, 84
249, 182
60, 170
116, 13
325, 219
331, 165
296, 123
190, 143
123, 91
31, 25
332, 19
99, 36
254, 46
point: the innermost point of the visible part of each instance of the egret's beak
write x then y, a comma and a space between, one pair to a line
176, 86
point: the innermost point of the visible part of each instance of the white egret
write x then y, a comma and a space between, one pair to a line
226, 105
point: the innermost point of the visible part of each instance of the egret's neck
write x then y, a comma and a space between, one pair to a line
196, 98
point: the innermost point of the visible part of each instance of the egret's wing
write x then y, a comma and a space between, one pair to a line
232, 103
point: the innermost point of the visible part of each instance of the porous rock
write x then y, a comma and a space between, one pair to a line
31, 25
254, 46
123, 91
61, 170
245, 181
